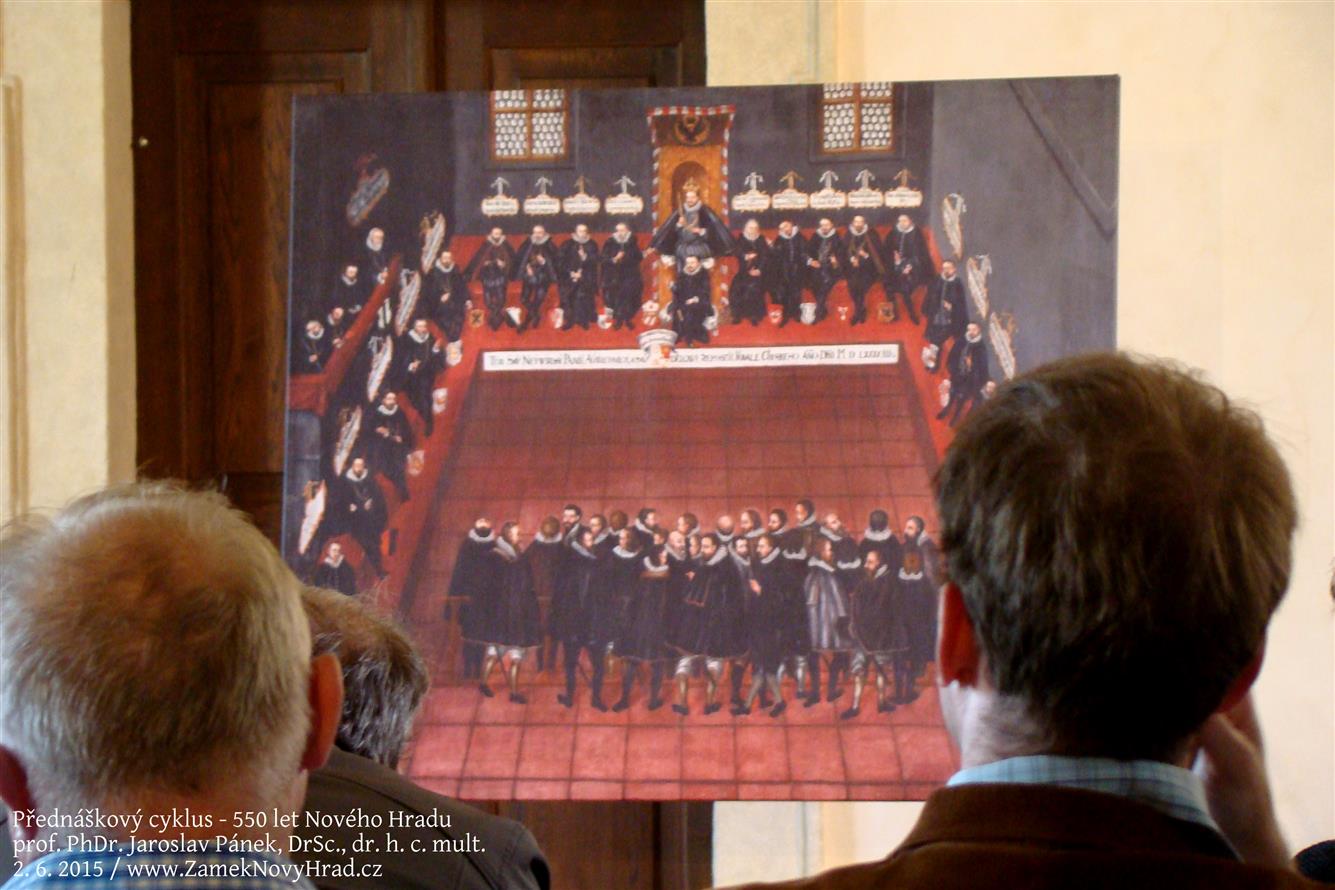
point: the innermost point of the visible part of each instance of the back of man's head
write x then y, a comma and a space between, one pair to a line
1120, 534
152, 646
384, 678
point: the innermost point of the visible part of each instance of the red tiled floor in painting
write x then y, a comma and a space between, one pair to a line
710, 441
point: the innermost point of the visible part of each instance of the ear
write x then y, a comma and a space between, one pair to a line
957, 652
16, 794
326, 699
1242, 683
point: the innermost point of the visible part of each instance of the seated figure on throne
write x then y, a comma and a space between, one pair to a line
693, 229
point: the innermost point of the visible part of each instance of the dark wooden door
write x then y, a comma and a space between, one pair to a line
213, 86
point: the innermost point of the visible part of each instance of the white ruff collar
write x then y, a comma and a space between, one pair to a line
352, 474
444, 268
639, 524
817, 563
859, 232
829, 234
496, 241
579, 240
718, 557
788, 236
620, 238
422, 339
904, 230
872, 535
624, 553
348, 281
506, 549
579, 548
653, 569
974, 339
319, 336
488, 538
371, 248
539, 240
773, 555
332, 561
540, 538
390, 412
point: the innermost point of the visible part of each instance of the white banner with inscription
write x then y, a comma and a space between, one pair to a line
734, 357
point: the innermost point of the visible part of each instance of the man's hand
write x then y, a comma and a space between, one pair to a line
1231, 765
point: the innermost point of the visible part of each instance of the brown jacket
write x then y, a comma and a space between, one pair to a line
1038, 837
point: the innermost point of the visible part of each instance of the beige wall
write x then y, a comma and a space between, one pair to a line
67, 368
1225, 262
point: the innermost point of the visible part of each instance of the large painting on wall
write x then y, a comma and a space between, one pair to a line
627, 403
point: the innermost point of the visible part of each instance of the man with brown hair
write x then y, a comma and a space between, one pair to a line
1116, 535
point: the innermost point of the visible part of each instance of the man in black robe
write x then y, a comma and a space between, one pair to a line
470, 583
312, 349
376, 261
578, 609
847, 558
706, 626
968, 373
919, 579
789, 258
349, 292
693, 230
390, 441
546, 555
910, 263
512, 614
535, 267
881, 538
644, 630
864, 265
336, 324
577, 283
878, 632
691, 304
825, 252
334, 572
491, 265
420, 357
769, 596
747, 291
447, 292
798, 543
646, 522
362, 512
623, 285
946, 312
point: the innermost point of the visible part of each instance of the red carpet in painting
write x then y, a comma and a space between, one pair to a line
852, 438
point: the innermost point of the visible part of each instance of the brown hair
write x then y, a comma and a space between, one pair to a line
1121, 533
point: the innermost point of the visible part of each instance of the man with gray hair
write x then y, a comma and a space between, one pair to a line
439, 842
157, 694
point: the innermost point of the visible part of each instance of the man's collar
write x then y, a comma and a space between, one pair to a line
1172, 790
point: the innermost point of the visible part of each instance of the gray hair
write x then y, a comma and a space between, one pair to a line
151, 641
384, 678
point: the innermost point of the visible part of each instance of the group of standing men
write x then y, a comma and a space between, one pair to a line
755, 593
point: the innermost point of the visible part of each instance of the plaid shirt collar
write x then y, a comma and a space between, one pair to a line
1172, 790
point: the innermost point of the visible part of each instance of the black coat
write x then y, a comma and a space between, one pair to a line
691, 306
878, 620
578, 294
622, 282
575, 598
910, 263
771, 618
446, 294
644, 632
338, 577
747, 290
945, 310
829, 254
510, 611
471, 580
711, 610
